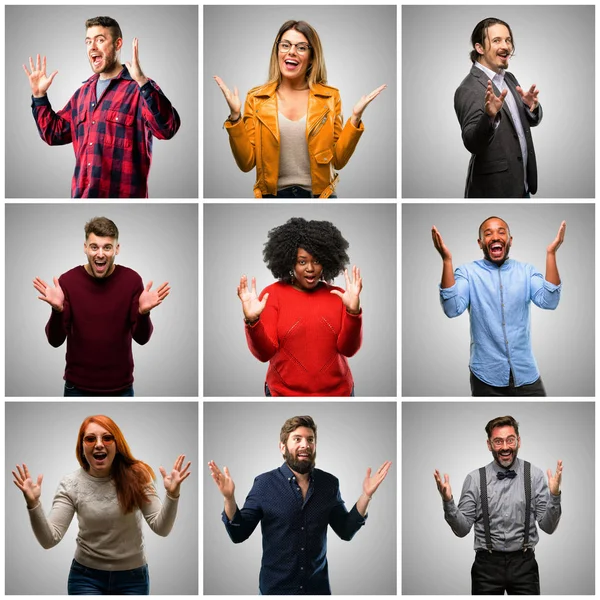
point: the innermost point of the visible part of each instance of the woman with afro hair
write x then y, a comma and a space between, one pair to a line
305, 327
110, 494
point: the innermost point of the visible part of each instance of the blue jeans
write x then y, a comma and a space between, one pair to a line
84, 581
268, 391
294, 191
71, 390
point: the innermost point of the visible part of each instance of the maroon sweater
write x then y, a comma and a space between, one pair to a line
99, 318
306, 336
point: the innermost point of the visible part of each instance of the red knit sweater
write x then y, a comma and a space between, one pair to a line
99, 319
306, 336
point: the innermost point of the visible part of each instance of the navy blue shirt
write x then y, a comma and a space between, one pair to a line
294, 530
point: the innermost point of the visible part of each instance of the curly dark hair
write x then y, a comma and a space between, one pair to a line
322, 239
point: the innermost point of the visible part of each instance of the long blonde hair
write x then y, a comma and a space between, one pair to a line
317, 72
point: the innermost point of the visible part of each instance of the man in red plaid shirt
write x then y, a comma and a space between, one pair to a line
110, 119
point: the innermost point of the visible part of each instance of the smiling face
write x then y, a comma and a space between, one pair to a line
307, 271
498, 48
101, 252
294, 64
504, 445
495, 240
99, 450
300, 451
103, 51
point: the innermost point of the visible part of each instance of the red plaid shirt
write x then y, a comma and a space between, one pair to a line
112, 139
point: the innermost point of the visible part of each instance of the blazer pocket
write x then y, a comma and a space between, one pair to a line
493, 166
324, 156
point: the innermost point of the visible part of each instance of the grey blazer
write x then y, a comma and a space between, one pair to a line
496, 165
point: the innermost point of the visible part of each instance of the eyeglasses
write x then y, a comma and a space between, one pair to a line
286, 46
90, 439
509, 441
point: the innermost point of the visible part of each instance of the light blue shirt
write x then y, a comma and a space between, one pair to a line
498, 300
498, 80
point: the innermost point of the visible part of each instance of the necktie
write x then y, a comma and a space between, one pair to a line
510, 474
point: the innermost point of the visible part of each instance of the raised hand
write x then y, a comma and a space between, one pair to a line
371, 483
223, 480
54, 296
438, 242
134, 68
175, 478
38, 80
351, 297
530, 97
31, 490
443, 486
150, 299
364, 101
493, 103
233, 98
251, 305
554, 480
559, 239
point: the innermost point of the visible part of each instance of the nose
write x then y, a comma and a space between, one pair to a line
310, 267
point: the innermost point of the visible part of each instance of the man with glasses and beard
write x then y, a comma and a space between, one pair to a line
504, 499
295, 504
497, 291
110, 119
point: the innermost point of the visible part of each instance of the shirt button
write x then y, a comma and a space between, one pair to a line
298, 489
89, 164
93, 122
117, 118
93, 104
302, 528
302, 568
302, 549
91, 144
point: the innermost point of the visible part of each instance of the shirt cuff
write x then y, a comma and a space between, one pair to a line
236, 521
43, 101
551, 287
356, 516
555, 500
447, 293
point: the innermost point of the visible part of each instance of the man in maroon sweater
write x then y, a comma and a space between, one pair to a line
98, 308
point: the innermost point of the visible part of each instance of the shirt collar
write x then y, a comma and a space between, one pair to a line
491, 265
516, 467
124, 74
289, 474
491, 74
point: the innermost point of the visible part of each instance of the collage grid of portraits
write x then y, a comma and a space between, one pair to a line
414, 406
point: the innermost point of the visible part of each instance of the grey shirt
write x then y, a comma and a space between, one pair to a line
506, 502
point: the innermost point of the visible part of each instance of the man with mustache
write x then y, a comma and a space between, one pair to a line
295, 503
110, 120
497, 291
504, 499
495, 116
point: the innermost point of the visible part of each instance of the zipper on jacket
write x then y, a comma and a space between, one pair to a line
318, 123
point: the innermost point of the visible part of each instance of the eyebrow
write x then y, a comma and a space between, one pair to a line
96, 36
288, 41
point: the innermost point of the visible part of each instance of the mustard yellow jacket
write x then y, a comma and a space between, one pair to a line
254, 139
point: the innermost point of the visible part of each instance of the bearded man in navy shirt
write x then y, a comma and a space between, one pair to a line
295, 504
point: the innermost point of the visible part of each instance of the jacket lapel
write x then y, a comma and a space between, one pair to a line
318, 107
483, 79
266, 109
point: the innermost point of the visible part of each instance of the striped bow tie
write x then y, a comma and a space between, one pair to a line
510, 474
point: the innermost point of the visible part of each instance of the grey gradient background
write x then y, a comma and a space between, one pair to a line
554, 49
234, 236
435, 354
244, 436
44, 435
451, 437
359, 44
168, 51
159, 241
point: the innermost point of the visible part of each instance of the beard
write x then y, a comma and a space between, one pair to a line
300, 466
509, 461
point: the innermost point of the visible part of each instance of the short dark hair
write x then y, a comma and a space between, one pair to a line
480, 33
322, 239
109, 23
102, 227
293, 423
507, 421
493, 217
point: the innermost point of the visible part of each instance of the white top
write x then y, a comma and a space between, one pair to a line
294, 164
108, 539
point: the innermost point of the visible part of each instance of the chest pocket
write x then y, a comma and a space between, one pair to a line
80, 120
119, 129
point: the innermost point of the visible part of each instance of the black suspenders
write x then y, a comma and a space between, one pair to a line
485, 509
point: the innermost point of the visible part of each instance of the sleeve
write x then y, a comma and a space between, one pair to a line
350, 336
244, 521
344, 523
160, 116
51, 529
160, 516
461, 518
477, 128
262, 335
547, 506
59, 324
455, 299
54, 128
346, 139
141, 325
241, 138
543, 293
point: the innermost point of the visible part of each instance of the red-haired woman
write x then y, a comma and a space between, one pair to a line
107, 493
